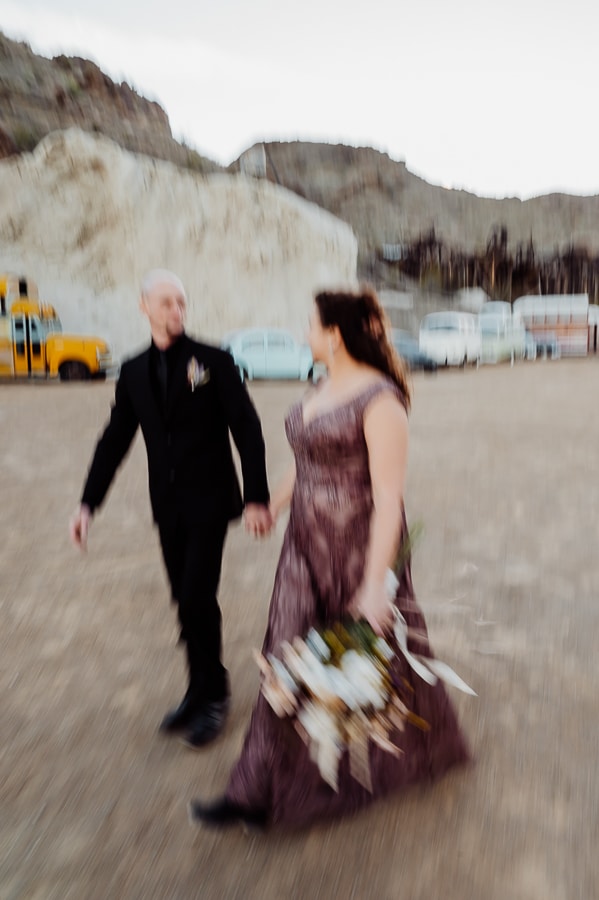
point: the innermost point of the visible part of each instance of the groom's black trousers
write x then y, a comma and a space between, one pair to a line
193, 560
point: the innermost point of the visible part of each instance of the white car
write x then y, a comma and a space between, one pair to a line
450, 338
501, 339
270, 353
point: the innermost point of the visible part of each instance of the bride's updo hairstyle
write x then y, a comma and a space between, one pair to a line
364, 329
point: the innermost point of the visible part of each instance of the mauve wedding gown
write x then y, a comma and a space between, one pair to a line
319, 571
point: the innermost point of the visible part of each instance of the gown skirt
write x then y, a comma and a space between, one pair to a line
320, 568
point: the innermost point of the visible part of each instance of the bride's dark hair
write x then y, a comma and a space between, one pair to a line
364, 328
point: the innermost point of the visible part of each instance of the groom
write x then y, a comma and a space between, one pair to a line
186, 397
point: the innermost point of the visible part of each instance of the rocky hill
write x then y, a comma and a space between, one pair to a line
39, 95
411, 231
84, 219
385, 203
426, 241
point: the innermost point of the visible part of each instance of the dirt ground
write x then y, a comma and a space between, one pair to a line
503, 477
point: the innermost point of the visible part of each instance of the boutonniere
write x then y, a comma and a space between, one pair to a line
197, 375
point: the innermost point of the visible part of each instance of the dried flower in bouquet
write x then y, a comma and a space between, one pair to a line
338, 685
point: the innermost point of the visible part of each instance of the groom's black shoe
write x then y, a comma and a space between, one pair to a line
224, 814
178, 719
206, 724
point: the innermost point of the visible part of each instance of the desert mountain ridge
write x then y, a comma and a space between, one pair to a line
84, 219
412, 236
408, 228
40, 95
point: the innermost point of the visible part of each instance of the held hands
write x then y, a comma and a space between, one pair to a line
79, 526
258, 520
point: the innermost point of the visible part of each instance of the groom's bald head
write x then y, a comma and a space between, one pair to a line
161, 276
164, 302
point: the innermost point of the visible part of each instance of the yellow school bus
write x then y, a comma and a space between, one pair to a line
32, 343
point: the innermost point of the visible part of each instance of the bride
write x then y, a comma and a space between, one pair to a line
345, 492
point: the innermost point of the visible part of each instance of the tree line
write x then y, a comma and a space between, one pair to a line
503, 274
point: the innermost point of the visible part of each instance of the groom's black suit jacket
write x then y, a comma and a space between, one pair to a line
191, 471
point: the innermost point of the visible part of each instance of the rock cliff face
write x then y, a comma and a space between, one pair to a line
39, 95
85, 219
86, 225
386, 204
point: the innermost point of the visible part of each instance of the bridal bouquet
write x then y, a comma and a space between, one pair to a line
339, 686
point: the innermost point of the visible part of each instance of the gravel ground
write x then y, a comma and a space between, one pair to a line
503, 477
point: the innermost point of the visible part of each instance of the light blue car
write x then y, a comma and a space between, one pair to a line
270, 353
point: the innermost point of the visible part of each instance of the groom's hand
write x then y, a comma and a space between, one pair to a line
79, 526
258, 519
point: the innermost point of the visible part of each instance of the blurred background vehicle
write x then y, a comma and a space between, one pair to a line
408, 349
450, 338
530, 346
562, 319
503, 336
547, 345
32, 342
270, 353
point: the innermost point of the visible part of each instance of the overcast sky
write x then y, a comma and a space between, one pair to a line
499, 98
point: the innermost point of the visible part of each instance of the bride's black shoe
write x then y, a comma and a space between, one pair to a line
223, 814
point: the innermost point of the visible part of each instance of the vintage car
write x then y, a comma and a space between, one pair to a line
450, 338
502, 339
410, 352
270, 353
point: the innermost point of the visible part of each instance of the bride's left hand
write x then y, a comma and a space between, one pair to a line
372, 602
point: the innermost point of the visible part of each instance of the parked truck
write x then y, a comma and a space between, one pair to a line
450, 338
32, 343
559, 323
502, 333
